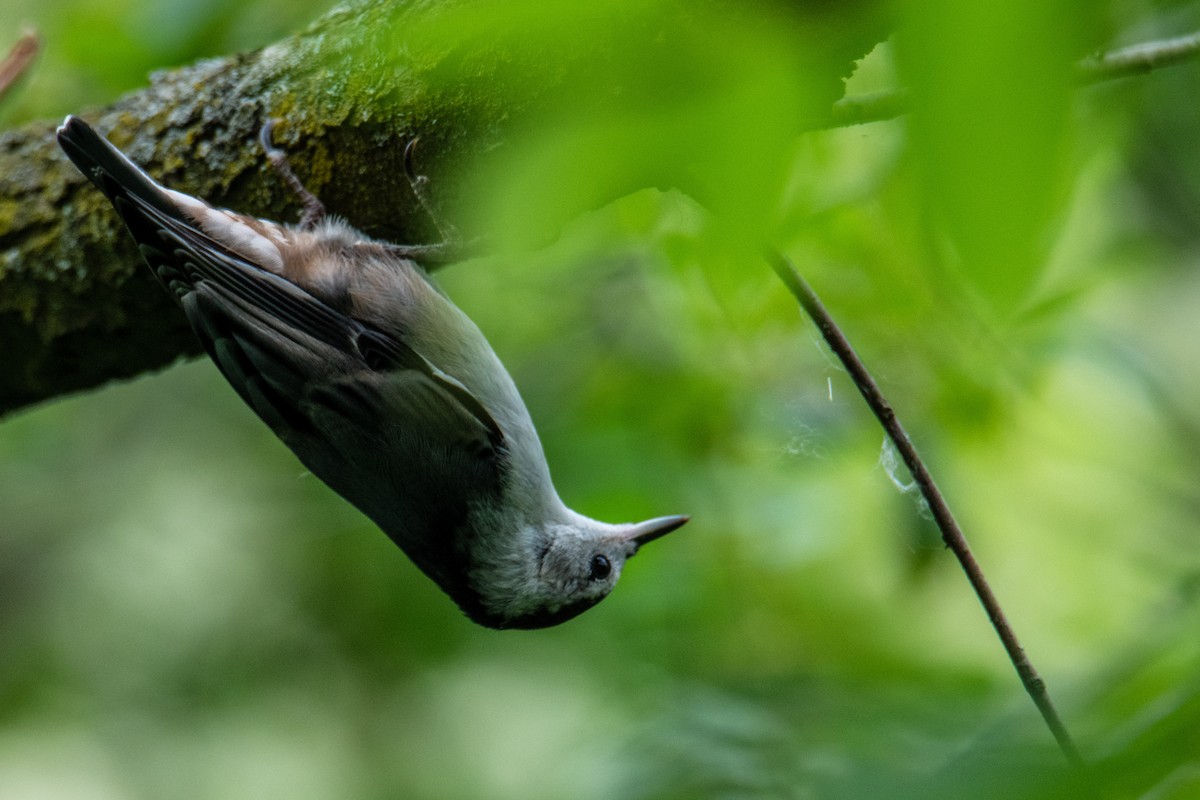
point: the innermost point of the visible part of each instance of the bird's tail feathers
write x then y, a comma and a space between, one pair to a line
111, 170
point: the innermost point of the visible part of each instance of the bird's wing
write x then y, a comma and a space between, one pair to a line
282, 347
273, 340
262, 330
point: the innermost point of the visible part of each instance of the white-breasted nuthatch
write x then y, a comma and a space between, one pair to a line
381, 386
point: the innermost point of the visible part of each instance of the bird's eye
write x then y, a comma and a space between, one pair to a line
601, 567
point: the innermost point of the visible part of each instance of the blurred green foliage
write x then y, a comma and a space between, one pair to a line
184, 613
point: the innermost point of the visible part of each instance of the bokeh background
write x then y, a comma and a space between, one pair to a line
185, 613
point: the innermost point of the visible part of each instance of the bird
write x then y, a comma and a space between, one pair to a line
387, 392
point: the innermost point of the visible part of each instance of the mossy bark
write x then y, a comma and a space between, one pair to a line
78, 308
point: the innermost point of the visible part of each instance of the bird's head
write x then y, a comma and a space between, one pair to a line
568, 567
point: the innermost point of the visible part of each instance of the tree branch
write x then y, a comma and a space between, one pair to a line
77, 307
952, 534
859, 109
1137, 59
17, 61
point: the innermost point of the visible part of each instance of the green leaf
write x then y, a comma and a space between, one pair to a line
991, 85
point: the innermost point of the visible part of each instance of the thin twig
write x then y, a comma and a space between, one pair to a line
1136, 59
859, 109
18, 60
952, 535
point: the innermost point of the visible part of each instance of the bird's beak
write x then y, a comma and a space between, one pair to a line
652, 529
